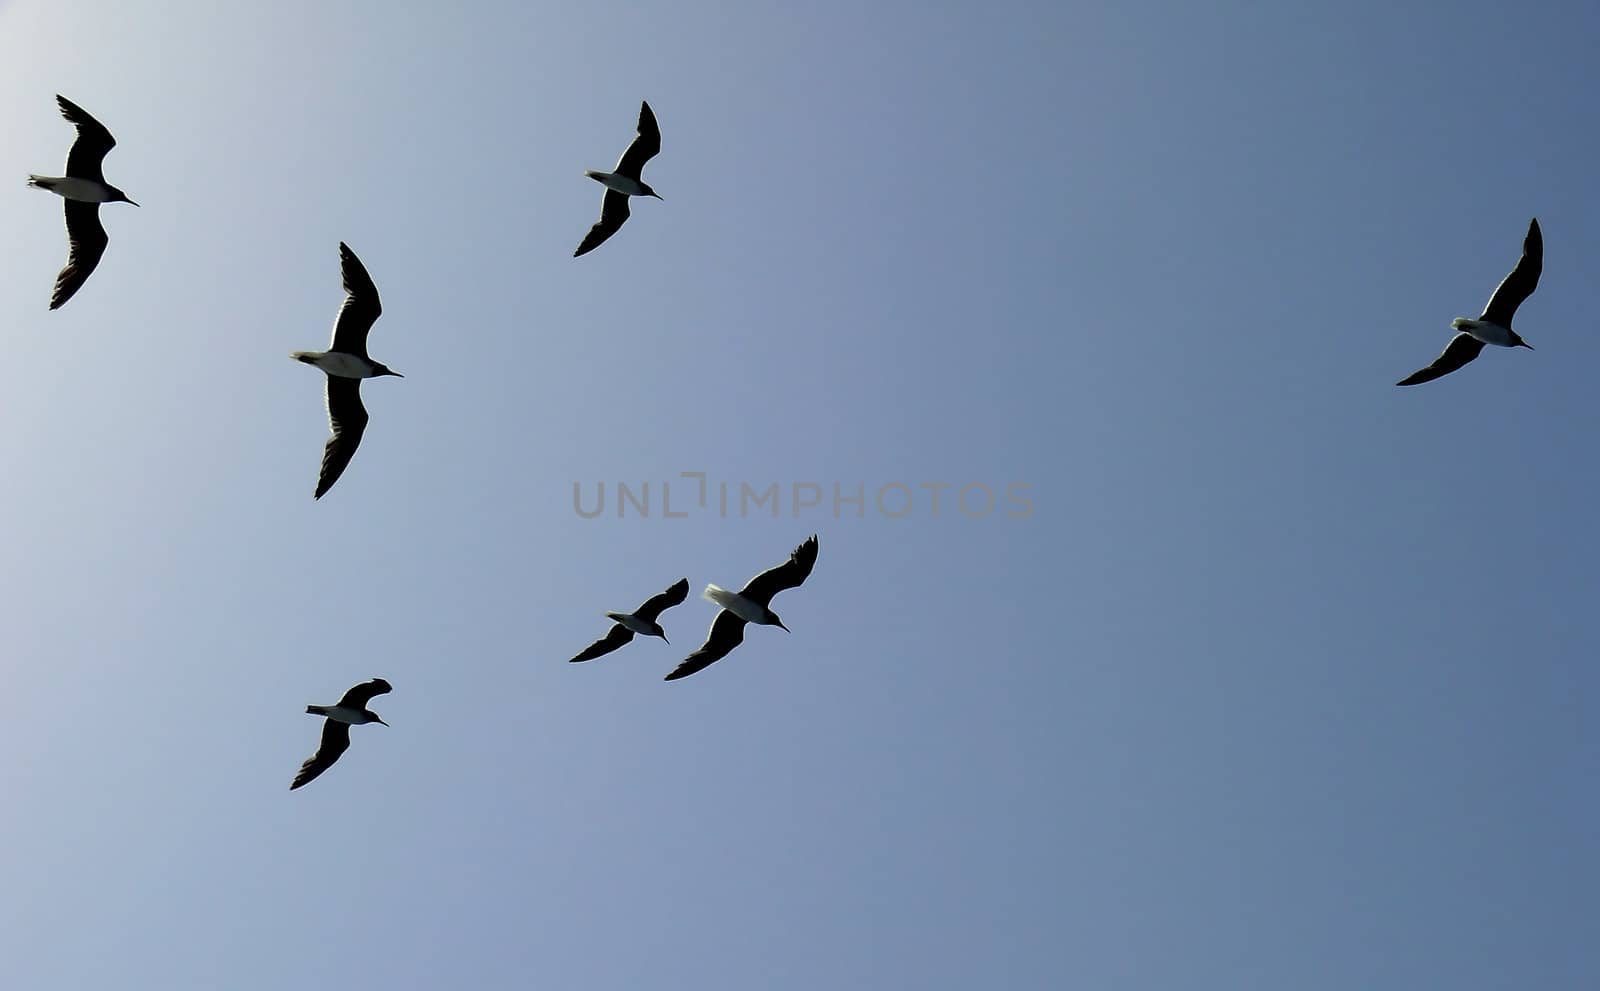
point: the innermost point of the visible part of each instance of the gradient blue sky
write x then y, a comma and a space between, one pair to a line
1288, 681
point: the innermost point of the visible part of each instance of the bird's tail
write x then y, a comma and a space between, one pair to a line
41, 182
317, 710
308, 357
717, 594
615, 617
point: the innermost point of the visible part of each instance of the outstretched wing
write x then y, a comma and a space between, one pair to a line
646, 144
1519, 285
94, 141
658, 604
727, 632
359, 696
348, 418
789, 574
86, 242
1462, 348
613, 213
335, 741
618, 636
360, 309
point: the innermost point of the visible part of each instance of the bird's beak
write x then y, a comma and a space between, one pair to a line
130, 201
1525, 344
785, 628
665, 640
657, 196
380, 719
397, 375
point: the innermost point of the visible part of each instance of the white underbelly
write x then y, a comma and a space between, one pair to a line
735, 603
344, 365
621, 183
1483, 330
82, 190
634, 623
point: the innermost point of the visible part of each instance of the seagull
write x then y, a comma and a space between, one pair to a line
346, 363
624, 182
351, 710
642, 621
1493, 325
84, 187
748, 605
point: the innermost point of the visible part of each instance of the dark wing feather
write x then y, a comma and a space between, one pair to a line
646, 145
1462, 348
789, 574
359, 696
727, 632
1519, 285
613, 212
83, 161
658, 604
618, 636
360, 309
335, 741
86, 242
349, 421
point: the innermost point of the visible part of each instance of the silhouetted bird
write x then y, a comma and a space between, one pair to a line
346, 363
748, 605
351, 711
1493, 325
641, 621
624, 182
84, 187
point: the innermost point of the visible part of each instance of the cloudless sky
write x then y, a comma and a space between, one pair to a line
1287, 679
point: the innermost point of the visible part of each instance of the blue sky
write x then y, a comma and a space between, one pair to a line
1287, 680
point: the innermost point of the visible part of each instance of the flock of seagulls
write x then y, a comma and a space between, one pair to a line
748, 605
735, 609
346, 363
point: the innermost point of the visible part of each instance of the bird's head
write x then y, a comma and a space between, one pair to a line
1518, 342
118, 196
379, 370
773, 620
375, 717
648, 191
659, 631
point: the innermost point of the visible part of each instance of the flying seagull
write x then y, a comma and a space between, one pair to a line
624, 182
351, 710
346, 363
84, 187
642, 621
1493, 325
748, 605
